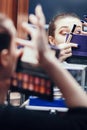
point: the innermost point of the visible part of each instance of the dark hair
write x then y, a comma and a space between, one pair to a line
52, 26
5, 40
6, 32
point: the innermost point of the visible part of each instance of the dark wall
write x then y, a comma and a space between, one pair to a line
52, 7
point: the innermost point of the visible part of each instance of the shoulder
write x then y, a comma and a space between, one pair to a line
78, 110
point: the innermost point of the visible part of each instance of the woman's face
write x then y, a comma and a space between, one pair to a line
64, 26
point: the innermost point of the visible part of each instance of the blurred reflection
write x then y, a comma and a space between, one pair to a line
51, 7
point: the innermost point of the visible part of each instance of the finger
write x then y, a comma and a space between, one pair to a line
23, 42
66, 46
64, 57
62, 52
40, 15
33, 19
67, 51
74, 45
30, 30
84, 33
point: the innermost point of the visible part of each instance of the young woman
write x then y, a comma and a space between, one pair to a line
59, 27
15, 118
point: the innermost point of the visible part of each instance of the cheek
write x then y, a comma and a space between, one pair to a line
11, 67
60, 39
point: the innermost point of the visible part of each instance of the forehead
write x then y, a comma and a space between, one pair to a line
68, 23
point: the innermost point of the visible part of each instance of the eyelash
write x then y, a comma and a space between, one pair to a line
63, 33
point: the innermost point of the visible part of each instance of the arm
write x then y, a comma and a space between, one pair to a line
71, 90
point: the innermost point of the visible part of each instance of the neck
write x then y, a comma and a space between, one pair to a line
4, 87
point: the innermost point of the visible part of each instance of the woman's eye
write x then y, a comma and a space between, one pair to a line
63, 33
78, 32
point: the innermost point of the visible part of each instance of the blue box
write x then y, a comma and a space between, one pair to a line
35, 101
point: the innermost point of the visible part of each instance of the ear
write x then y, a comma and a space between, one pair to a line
51, 40
4, 57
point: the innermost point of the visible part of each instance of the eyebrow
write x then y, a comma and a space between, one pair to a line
67, 27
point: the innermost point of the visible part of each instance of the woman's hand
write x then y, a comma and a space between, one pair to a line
66, 50
38, 34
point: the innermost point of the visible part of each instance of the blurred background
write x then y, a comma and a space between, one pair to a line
52, 7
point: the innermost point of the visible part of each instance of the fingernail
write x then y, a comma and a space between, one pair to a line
39, 6
76, 45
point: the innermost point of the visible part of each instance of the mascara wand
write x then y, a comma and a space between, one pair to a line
70, 34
